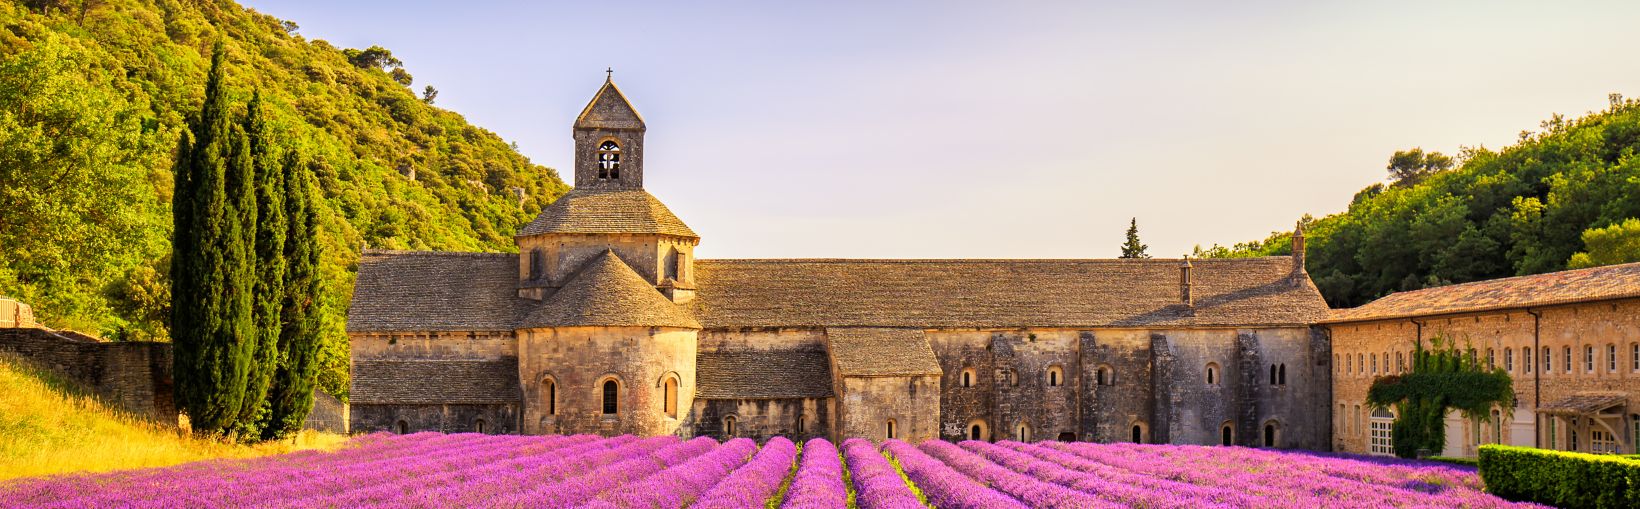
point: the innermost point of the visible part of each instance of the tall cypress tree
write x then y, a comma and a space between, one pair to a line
210, 302
269, 268
291, 396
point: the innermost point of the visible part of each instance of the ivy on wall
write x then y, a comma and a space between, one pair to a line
1443, 377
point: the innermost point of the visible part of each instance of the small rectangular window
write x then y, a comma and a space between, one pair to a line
1588, 358
1526, 359
1611, 358
1566, 362
1509, 359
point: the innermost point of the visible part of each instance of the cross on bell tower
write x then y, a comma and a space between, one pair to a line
609, 141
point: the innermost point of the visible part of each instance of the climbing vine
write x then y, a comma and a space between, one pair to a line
1443, 377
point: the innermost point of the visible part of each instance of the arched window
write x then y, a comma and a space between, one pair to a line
404, 428
1056, 376
549, 393
1137, 434
968, 378
729, 426
1526, 360
1270, 437
1349, 364
1566, 359
612, 393
1283, 372
1212, 373
977, 430
609, 160
799, 422
1588, 358
1509, 360
1491, 359
1548, 360
1227, 434
669, 396
1105, 376
1374, 363
1381, 432
1272, 374
1611, 357
1022, 432
891, 429
671, 263
478, 426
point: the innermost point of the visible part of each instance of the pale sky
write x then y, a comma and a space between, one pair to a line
943, 129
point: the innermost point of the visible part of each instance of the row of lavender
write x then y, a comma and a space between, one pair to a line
436, 470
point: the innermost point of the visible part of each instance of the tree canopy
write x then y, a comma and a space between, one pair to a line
1132, 248
1526, 209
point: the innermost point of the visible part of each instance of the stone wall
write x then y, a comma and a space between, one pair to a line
133, 376
433, 345
577, 360
328, 414
403, 418
866, 405
562, 256
1364, 351
797, 419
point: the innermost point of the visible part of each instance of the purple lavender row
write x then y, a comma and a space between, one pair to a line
819, 479
945, 487
1129, 487
1280, 475
876, 484
215, 481
1114, 490
439, 477
754, 483
1032, 491
583, 488
677, 486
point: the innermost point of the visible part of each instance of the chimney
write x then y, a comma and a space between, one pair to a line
1298, 251
1184, 284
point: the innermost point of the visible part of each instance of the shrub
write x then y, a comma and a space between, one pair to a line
1562, 479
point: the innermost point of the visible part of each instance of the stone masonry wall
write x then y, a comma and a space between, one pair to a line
867, 404
761, 419
132, 376
497, 419
579, 359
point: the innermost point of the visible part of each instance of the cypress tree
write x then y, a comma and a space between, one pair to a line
269, 266
1132, 248
210, 304
291, 395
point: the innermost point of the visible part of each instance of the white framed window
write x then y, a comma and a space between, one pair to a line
1491, 358
1526, 359
1634, 360
1509, 360
1588, 358
1374, 361
1602, 442
1566, 362
1381, 435
1611, 357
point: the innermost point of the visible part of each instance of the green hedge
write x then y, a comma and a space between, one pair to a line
1467, 462
1559, 478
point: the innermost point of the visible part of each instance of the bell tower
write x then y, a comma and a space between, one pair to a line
609, 141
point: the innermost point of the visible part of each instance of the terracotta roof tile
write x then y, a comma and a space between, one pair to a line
1000, 293
586, 210
399, 382
400, 291
606, 292
1565, 287
871, 351
762, 374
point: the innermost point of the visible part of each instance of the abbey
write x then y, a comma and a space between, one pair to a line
606, 322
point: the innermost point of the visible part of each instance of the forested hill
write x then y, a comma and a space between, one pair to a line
1567, 196
95, 94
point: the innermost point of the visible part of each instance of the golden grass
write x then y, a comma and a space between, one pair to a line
49, 425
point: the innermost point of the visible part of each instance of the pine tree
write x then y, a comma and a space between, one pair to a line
269, 269
1132, 248
211, 322
291, 395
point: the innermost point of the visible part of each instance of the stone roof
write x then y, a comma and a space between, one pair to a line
1584, 403
606, 292
400, 291
593, 211
762, 374
872, 351
404, 382
1565, 287
609, 109
1001, 293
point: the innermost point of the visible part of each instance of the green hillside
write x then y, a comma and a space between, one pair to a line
94, 96
1567, 196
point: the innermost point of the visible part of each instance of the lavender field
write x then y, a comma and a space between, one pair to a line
471, 470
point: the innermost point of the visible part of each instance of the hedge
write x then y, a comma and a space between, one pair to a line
1465, 462
1559, 478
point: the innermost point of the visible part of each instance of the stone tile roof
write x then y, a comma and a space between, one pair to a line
585, 210
401, 291
606, 292
404, 382
1584, 403
762, 374
872, 351
1000, 293
609, 109
1565, 287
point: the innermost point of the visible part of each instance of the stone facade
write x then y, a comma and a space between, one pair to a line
135, 377
615, 327
1560, 354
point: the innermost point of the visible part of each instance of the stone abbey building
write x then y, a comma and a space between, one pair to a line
606, 322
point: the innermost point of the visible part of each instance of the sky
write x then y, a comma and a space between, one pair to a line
951, 129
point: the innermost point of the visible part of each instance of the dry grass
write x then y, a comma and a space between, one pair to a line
49, 425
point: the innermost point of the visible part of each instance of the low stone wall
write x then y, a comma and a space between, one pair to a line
133, 376
457, 418
329, 414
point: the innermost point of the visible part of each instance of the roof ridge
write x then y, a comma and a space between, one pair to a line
989, 260
397, 252
1560, 273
